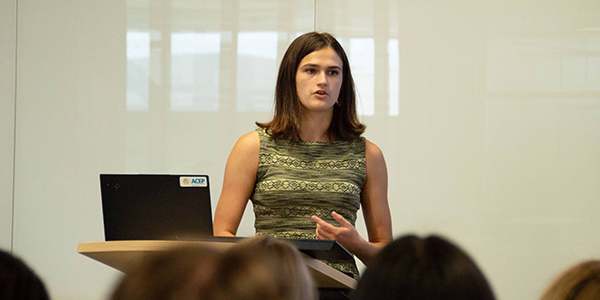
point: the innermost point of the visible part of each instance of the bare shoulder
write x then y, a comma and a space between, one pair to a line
376, 166
246, 150
249, 139
248, 142
373, 152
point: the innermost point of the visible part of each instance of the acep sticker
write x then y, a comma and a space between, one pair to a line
199, 181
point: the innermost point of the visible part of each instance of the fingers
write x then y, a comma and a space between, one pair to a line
326, 231
318, 220
345, 234
324, 234
322, 230
322, 224
340, 219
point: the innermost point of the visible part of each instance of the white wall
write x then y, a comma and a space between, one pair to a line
488, 113
8, 33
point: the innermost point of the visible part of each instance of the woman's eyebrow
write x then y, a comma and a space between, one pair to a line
318, 66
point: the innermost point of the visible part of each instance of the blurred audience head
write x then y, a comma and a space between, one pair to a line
423, 268
18, 281
580, 282
262, 268
181, 273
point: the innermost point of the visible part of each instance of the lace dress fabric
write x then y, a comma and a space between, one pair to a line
298, 180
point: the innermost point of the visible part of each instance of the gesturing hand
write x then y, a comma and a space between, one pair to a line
346, 234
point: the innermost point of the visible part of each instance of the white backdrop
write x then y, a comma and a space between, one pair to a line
488, 114
7, 117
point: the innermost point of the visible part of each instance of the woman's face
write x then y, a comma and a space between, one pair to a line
319, 79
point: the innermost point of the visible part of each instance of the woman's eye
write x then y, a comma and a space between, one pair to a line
310, 71
334, 72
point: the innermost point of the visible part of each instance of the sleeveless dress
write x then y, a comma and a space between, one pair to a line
298, 180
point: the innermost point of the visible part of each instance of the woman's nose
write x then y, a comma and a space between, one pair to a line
322, 78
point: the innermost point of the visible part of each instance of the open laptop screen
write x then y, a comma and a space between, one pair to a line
155, 207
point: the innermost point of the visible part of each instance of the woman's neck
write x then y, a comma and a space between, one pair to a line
315, 128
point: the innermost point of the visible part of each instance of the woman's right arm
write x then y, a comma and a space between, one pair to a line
238, 184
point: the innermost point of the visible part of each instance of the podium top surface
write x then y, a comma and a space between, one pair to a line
123, 255
319, 249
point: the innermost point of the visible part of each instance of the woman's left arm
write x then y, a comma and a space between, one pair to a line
376, 212
374, 201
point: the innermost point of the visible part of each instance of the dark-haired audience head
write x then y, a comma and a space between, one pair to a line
415, 268
262, 268
181, 273
18, 281
580, 282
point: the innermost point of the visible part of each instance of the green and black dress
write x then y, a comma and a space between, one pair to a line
298, 180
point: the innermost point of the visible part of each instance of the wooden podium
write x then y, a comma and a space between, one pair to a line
123, 255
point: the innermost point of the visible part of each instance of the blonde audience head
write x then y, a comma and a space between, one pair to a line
580, 282
261, 268
181, 273
258, 268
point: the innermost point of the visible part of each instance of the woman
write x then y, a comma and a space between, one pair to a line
309, 168
430, 268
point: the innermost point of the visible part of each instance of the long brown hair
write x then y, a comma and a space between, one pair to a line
286, 122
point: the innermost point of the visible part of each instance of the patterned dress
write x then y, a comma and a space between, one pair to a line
298, 180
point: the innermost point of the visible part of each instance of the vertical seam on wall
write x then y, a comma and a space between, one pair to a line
315, 15
12, 219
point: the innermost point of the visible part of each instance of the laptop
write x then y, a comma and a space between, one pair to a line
155, 207
176, 207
